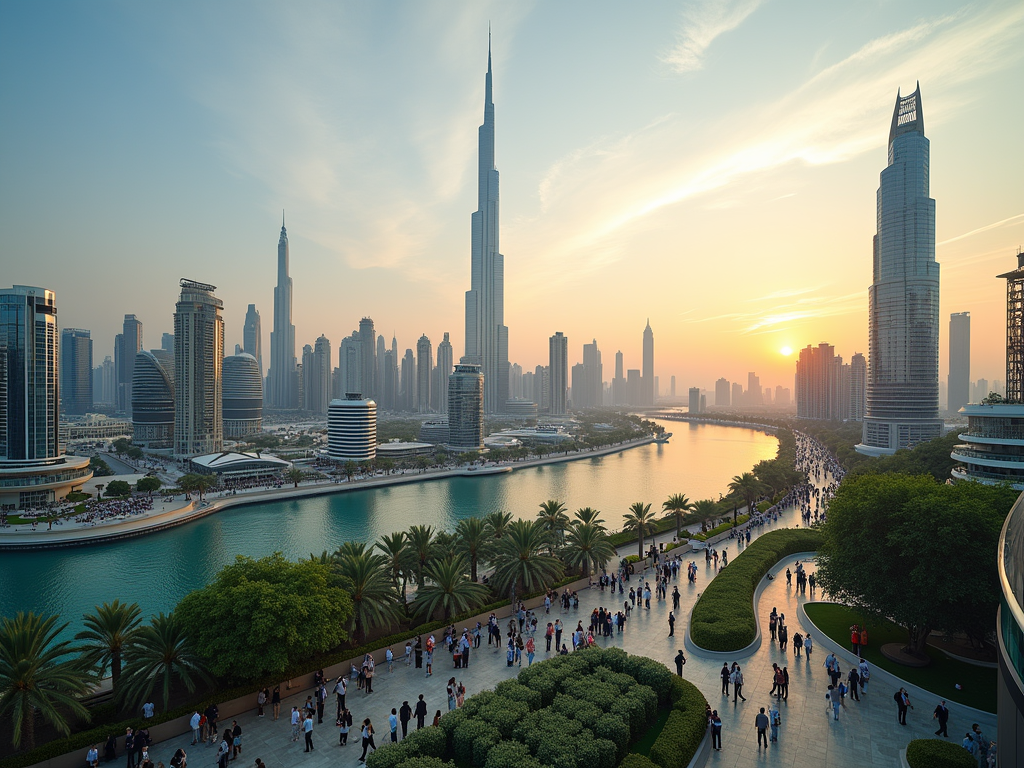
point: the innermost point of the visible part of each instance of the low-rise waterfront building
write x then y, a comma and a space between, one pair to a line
352, 429
993, 447
235, 466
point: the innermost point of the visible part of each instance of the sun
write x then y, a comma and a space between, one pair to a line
786, 351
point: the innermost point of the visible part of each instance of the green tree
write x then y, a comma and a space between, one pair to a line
677, 506
522, 559
473, 541
888, 540
163, 653
121, 445
294, 475
99, 467
349, 468
930, 458
148, 485
497, 523
587, 548
552, 515
374, 599
640, 520
400, 560
387, 465
703, 512
118, 488
109, 633
447, 588
135, 453
260, 617
36, 676
195, 482
421, 542
588, 515
748, 488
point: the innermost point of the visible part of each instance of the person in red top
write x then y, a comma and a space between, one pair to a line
855, 640
863, 641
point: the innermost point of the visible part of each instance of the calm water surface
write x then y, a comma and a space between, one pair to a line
157, 570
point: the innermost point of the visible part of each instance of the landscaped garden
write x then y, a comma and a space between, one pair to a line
723, 618
586, 710
978, 684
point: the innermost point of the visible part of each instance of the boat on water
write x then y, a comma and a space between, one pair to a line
662, 438
477, 471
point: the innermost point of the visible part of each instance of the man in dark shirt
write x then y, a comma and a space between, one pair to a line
942, 715
761, 723
404, 716
421, 712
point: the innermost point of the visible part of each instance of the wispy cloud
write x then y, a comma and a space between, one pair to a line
702, 22
781, 316
986, 228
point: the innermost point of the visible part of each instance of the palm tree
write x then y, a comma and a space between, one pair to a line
374, 600
587, 547
677, 505
497, 523
109, 632
523, 559
161, 653
395, 548
444, 542
349, 548
448, 588
473, 542
702, 511
34, 675
552, 515
421, 542
639, 519
588, 515
748, 488
294, 475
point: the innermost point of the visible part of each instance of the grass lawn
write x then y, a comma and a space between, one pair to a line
644, 744
940, 677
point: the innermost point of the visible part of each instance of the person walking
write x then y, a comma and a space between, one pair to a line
776, 720
340, 691
716, 731
193, 723
761, 724
785, 684
941, 714
680, 660
404, 716
307, 729
902, 699
726, 679
420, 712
236, 739
671, 624
393, 725
854, 680
275, 700
984, 745
367, 734
296, 724
261, 702
737, 685
344, 726
832, 700
808, 646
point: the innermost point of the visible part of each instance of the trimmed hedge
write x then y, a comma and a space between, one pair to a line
723, 617
576, 711
740, 520
936, 753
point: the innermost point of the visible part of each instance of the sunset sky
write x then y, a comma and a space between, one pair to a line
709, 165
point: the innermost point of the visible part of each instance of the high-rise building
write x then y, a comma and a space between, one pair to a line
252, 338
781, 396
379, 374
316, 376
722, 392
819, 385
167, 342
634, 386
466, 408
352, 429
737, 393
153, 399
903, 300
858, 386
305, 370
694, 401
558, 373
283, 392
981, 390
515, 379
753, 389
578, 386
350, 365
647, 374
593, 378
75, 371
368, 363
198, 371
33, 471
407, 394
486, 333
958, 381
109, 382
672, 387
127, 345
619, 382
424, 364
243, 396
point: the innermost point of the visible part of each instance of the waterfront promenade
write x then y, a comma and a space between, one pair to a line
170, 513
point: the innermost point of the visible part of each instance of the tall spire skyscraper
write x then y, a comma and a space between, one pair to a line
282, 339
903, 300
486, 334
647, 371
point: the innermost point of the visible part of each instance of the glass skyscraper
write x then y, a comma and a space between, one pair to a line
903, 312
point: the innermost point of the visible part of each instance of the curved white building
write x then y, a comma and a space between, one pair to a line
993, 447
153, 399
352, 429
242, 396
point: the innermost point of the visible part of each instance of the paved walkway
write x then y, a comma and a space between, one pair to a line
866, 734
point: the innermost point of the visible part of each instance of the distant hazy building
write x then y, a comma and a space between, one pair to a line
33, 471
694, 401
349, 375
368, 353
252, 337
593, 377
903, 300
558, 372
515, 380
283, 392
445, 365
858, 386
958, 380
819, 383
127, 345
672, 387
619, 382
737, 393
980, 390
634, 386
578, 387
782, 396
198, 370
75, 371
242, 397
647, 372
722, 392
424, 365
753, 389
153, 399
466, 408
167, 342
352, 428
109, 382
316, 376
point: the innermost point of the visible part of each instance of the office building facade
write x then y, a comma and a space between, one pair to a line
352, 429
252, 337
466, 408
242, 393
153, 399
198, 370
558, 374
76, 388
958, 381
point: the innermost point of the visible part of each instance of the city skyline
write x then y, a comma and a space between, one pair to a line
573, 219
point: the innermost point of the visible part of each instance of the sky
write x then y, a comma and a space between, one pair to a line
709, 164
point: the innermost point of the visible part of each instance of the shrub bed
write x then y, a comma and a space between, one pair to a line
936, 753
576, 711
740, 520
723, 617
